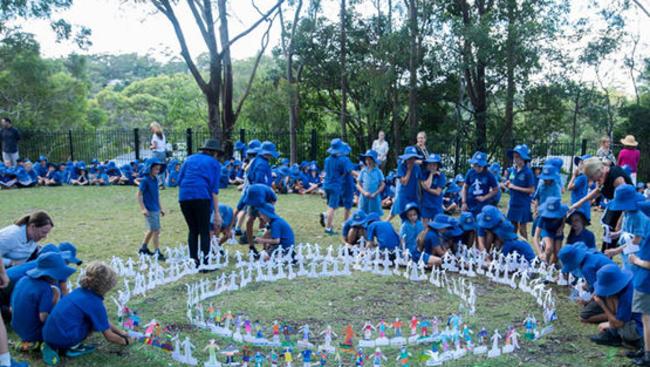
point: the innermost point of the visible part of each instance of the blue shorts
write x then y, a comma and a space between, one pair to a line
333, 198
347, 201
430, 213
153, 221
252, 211
520, 215
553, 236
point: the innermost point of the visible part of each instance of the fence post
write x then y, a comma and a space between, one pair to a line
242, 135
314, 143
583, 149
70, 144
188, 140
136, 142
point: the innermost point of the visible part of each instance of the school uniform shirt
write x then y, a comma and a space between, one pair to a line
56, 176
431, 204
550, 227
281, 229
370, 181
226, 214
41, 170
172, 179
641, 275
580, 190
408, 192
149, 188
624, 310
585, 236
431, 240
590, 266
74, 317
29, 298
519, 207
521, 247
260, 172
478, 184
16, 273
349, 186
636, 223
103, 176
199, 178
14, 245
383, 234
335, 169
544, 192
409, 232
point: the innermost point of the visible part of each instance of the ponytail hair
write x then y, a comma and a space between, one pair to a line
421, 237
38, 219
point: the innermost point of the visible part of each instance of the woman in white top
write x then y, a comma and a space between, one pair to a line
158, 147
381, 147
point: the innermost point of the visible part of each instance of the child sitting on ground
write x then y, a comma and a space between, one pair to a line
75, 317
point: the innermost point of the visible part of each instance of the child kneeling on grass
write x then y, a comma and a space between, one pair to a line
278, 236
80, 313
35, 296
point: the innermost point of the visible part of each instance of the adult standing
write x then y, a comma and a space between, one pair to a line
380, 145
158, 147
10, 137
607, 179
629, 155
605, 152
198, 195
421, 145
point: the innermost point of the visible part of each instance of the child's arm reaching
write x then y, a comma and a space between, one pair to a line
116, 336
638, 262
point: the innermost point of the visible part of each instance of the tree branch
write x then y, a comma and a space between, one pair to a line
254, 25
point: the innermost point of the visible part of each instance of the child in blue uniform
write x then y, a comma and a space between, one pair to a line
433, 182
34, 297
278, 236
579, 186
635, 223
335, 170
354, 228
480, 185
411, 226
550, 228
641, 298
149, 201
173, 171
370, 185
469, 227
227, 222
579, 231
521, 185
447, 231
429, 247
349, 195
381, 233
408, 175
451, 199
487, 221
548, 187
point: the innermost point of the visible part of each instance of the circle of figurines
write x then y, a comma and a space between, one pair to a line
452, 342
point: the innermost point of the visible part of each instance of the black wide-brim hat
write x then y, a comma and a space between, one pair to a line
212, 145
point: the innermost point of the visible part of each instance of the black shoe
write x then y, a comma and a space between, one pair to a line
204, 271
243, 240
322, 220
636, 354
159, 255
145, 250
641, 361
607, 338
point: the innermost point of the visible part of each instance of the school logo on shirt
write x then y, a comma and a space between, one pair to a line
521, 177
477, 187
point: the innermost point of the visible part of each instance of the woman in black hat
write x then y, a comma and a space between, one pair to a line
198, 195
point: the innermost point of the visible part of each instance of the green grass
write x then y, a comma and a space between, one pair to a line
105, 221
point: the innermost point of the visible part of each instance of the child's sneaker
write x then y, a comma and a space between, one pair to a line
145, 250
80, 350
330, 231
159, 255
322, 219
28, 347
50, 356
243, 240
237, 231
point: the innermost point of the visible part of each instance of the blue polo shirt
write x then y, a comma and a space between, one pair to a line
590, 266
74, 317
149, 188
29, 298
15, 273
521, 247
636, 223
335, 170
282, 230
580, 190
522, 178
199, 178
260, 172
624, 310
544, 192
226, 215
383, 234
430, 200
641, 275
409, 192
585, 236
431, 240
409, 232
478, 184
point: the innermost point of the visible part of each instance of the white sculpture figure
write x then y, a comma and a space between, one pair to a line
281, 274
290, 274
212, 349
176, 354
413, 274
301, 267
495, 351
238, 258
304, 341
260, 276
386, 263
335, 267
233, 282
347, 262
514, 338
324, 268
312, 269
187, 357
327, 340
421, 269
237, 335
270, 265
513, 281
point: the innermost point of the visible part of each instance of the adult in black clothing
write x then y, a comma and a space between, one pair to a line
607, 179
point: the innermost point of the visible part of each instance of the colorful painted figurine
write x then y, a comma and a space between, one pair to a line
403, 357
347, 336
288, 357
414, 325
306, 357
212, 349
359, 358
378, 357
259, 359
397, 327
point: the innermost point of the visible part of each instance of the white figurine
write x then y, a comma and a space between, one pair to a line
495, 351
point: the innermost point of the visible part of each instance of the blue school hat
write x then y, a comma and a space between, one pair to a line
452, 188
42, 158
578, 159
555, 161
409, 206
239, 145
489, 217
625, 198
268, 210
268, 148
409, 152
285, 161
370, 154
549, 172
610, 279
459, 179
640, 185
50, 247
479, 158
152, 162
553, 208
348, 148
582, 215
313, 167
441, 221
94, 161
455, 229
303, 165
253, 147
522, 150
51, 264
572, 255
644, 207
467, 222
434, 158
505, 231
372, 217
294, 172
71, 250
358, 218
495, 169
337, 147
627, 169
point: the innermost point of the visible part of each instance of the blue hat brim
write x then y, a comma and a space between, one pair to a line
574, 259
364, 156
468, 226
272, 153
522, 154
621, 205
438, 226
358, 223
453, 189
478, 162
553, 177
454, 231
555, 214
612, 289
267, 213
482, 223
409, 156
438, 162
60, 274
645, 207
406, 210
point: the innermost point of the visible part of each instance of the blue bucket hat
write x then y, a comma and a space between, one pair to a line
370, 154
409, 206
441, 221
372, 217
51, 264
626, 198
555, 161
268, 210
268, 148
578, 159
610, 280
313, 167
358, 218
489, 217
454, 230
549, 172
495, 169
71, 250
94, 161
50, 247
505, 231
459, 179
42, 158
337, 147
479, 158
452, 188
467, 222
572, 256
553, 208
239, 145
284, 161
294, 171
253, 146
152, 162
434, 158
522, 150
409, 152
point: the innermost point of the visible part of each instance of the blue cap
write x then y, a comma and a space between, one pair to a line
452, 188
409, 206
152, 162
555, 161
489, 217
409, 152
467, 221
358, 218
610, 279
253, 147
553, 208
459, 179
268, 148
372, 217
337, 147
626, 198
268, 210
71, 250
51, 264
479, 158
549, 172
495, 168
522, 150
572, 255
370, 154
434, 158
42, 158
441, 221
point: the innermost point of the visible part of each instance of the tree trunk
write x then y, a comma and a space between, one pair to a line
576, 109
507, 139
344, 78
480, 108
228, 122
214, 117
293, 111
413, 61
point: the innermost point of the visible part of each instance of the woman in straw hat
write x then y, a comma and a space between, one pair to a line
629, 155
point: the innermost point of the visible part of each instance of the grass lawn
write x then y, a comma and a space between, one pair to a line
105, 221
